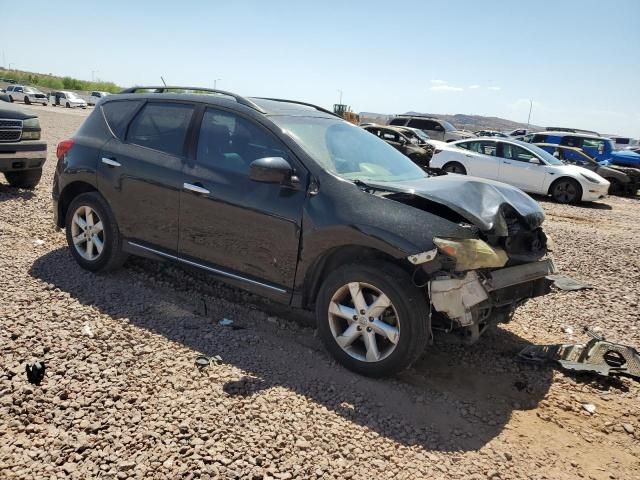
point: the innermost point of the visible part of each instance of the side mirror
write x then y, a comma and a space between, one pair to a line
271, 170
535, 161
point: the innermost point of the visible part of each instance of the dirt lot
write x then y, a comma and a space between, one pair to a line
125, 401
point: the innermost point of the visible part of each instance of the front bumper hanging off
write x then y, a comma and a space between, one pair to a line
463, 298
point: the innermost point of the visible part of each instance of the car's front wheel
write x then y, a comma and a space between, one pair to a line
616, 187
27, 101
372, 319
92, 233
566, 190
25, 178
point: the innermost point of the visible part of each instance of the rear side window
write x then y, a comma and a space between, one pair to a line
117, 115
539, 138
571, 141
161, 126
398, 121
424, 124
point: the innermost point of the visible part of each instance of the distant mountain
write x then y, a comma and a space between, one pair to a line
459, 120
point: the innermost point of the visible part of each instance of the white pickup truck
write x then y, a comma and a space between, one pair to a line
27, 95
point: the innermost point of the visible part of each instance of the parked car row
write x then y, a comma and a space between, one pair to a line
64, 98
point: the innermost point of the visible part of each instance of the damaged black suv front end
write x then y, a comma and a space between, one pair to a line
475, 282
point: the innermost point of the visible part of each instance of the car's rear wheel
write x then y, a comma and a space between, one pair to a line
372, 319
92, 233
10, 98
24, 179
455, 167
566, 190
27, 101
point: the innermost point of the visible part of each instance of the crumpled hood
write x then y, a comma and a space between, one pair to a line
482, 202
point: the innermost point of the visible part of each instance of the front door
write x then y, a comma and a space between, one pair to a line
517, 169
239, 228
141, 177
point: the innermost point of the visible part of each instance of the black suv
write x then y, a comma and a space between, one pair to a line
288, 200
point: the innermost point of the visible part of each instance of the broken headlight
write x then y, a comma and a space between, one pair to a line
471, 254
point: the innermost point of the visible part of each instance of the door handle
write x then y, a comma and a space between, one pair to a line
196, 188
110, 161
468, 155
508, 163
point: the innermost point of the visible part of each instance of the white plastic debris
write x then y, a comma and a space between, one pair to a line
225, 322
589, 407
38, 242
87, 331
568, 330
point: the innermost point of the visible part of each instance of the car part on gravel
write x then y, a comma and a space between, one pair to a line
567, 283
203, 361
597, 355
35, 372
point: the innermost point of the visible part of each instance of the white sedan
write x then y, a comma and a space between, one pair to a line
522, 165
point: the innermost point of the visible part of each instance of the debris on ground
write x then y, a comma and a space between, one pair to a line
203, 361
225, 322
564, 282
87, 331
589, 407
597, 355
35, 372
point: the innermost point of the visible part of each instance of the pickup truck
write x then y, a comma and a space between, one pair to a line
22, 153
600, 148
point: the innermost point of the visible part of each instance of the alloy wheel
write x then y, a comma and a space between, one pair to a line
565, 192
364, 322
87, 233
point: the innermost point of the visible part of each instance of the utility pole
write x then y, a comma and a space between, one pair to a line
10, 65
530, 108
340, 101
215, 82
4, 60
93, 72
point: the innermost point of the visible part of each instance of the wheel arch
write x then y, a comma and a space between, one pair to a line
332, 259
566, 177
67, 195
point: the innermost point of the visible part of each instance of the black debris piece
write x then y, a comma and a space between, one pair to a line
597, 355
35, 372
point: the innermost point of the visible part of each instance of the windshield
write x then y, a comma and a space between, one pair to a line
423, 136
349, 151
546, 156
72, 95
448, 127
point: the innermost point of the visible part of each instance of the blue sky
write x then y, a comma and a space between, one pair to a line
579, 61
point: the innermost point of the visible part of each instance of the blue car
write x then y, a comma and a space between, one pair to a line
600, 148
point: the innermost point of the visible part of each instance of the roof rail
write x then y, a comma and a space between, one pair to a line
421, 115
320, 109
164, 89
571, 130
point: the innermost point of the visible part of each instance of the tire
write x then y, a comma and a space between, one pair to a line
10, 98
455, 167
91, 257
24, 179
27, 101
406, 319
44, 104
68, 105
616, 187
566, 190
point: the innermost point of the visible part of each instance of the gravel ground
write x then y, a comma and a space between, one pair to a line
123, 399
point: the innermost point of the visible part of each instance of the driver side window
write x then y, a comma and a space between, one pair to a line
515, 152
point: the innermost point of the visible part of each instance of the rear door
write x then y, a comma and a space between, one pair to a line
516, 168
239, 228
480, 158
140, 171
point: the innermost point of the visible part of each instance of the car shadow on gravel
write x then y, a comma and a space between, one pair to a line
587, 205
10, 193
455, 398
